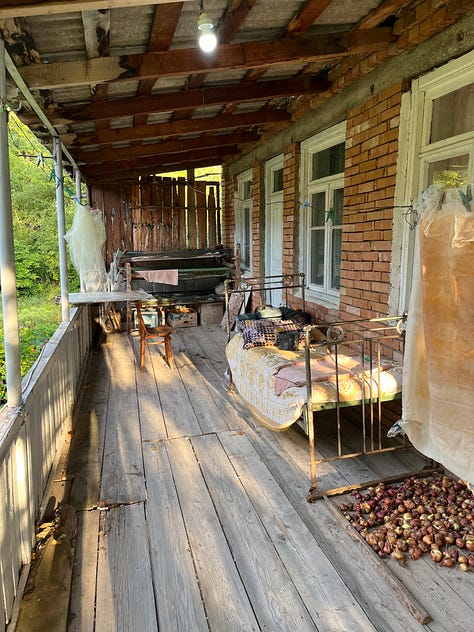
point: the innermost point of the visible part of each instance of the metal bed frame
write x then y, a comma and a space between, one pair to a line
369, 337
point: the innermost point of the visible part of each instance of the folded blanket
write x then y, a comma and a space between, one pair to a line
169, 277
323, 369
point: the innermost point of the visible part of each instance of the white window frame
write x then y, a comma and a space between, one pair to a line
243, 220
322, 294
415, 156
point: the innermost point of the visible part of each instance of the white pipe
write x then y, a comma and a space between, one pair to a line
58, 171
7, 255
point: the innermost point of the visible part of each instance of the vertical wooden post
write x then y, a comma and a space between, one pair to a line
211, 208
201, 204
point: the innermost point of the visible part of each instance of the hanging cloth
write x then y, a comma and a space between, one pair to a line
438, 381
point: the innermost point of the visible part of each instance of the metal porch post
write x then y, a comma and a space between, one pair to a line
77, 179
7, 255
58, 170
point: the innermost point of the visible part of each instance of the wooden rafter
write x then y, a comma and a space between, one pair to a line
381, 13
150, 163
306, 17
175, 128
166, 102
236, 12
186, 61
25, 8
165, 147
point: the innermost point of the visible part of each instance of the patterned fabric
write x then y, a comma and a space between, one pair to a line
253, 373
264, 331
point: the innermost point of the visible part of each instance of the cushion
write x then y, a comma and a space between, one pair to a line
258, 333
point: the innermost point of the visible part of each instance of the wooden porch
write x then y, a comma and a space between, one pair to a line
190, 516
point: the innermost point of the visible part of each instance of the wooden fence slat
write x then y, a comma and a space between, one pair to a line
191, 211
212, 219
181, 213
201, 204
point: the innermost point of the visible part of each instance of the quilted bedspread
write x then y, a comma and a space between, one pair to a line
255, 373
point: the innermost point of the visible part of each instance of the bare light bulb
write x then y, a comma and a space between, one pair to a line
207, 37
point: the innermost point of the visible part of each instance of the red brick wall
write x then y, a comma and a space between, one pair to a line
258, 226
228, 216
369, 187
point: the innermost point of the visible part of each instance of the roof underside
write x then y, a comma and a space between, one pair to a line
130, 93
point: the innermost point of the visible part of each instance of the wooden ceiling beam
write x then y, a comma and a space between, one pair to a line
157, 162
192, 61
306, 17
176, 128
381, 13
25, 8
236, 12
167, 102
165, 147
132, 174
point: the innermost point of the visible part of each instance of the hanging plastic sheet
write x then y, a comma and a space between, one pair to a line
438, 385
85, 239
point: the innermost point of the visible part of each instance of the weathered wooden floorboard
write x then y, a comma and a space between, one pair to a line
180, 418
275, 600
327, 598
125, 599
370, 589
152, 421
176, 585
122, 471
81, 616
226, 601
84, 464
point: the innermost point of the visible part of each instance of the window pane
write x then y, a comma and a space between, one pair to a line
318, 209
328, 162
317, 257
278, 180
336, 258
246, 237
453, 114
338, 205
450, 173
247, 189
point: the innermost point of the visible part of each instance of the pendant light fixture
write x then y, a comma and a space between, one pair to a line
207, 37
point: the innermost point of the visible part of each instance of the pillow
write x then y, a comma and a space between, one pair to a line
258, 333
267, 311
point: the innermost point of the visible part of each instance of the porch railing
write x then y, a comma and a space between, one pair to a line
30, 440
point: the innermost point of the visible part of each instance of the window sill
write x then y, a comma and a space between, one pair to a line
324, 300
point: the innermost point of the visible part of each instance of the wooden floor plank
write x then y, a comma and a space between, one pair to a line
177, 590
152, 421
328, 600
125, 599
227, 604
180, 418
275, 600
363, 579
83, 592
122, 468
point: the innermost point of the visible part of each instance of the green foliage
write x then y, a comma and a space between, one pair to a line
34, 211
38, 319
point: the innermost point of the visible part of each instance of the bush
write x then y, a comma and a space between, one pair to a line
38, 318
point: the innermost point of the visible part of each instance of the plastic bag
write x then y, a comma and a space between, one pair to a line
85, 239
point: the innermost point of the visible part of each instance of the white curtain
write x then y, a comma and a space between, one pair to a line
438, 384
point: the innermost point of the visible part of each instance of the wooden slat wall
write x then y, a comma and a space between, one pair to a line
159, 214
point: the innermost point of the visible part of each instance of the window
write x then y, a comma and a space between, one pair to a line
243, 219
323, 195
439, 148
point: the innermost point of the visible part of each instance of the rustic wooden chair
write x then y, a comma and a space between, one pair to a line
153, 335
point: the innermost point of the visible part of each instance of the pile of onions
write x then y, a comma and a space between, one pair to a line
421, 515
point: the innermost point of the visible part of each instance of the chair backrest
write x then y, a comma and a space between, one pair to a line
141, 322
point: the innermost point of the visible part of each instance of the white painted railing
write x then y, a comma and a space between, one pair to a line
29, 442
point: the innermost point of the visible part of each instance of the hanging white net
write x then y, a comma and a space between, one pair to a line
438, 389
85, 239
